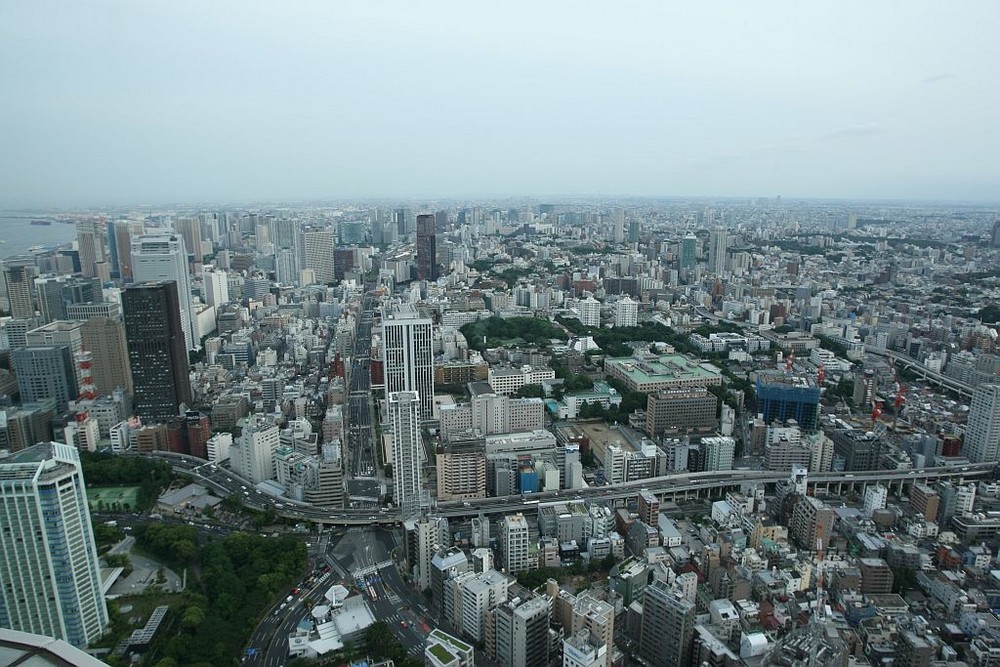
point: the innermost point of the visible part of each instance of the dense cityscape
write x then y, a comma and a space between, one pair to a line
587, 432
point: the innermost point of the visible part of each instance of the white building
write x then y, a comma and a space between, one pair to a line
217, 447
982, 432
508, 381
718, 243
216, 288
408, 355
514, 544
626, 312
162, 256
589, 310
253, 457
875, 497
51, 580
404, 421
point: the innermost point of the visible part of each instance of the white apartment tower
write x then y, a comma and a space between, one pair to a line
590, 311
404, 420
50, 580
626, 312
982, 431
253, 457
514, 543
718, 243
408, 355
162, 256
216, 287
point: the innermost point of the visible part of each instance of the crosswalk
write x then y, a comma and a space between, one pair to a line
371, 569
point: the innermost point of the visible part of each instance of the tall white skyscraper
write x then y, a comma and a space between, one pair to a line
404, 419
718, 244
50, 581
216, 288
982, 431
162, 256
408, 351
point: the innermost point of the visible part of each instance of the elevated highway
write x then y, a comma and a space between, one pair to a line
676, 486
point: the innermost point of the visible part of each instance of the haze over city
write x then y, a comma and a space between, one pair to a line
109, 103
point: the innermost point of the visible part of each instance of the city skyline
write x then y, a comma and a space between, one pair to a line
847, 102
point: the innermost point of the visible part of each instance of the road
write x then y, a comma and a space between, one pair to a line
365, 486
224, 481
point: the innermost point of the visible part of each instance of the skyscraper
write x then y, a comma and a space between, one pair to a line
426, 248
689, 252
667, 629
120, 236
718, 244
105, 339
51, 581
317, 254
982, 431
216, 288
45, 373
408, 359
162, 257
157, 354
90, 242
618, 225
404, 419
190, 229
19, 273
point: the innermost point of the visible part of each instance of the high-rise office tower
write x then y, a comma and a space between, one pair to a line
317, 254
408, 360
50, 581
995, 236
120, 236
618, 225
157, 354
58, 334
689, 252
718, 244
162, 257
190, 229
45, 373
667, 629
90, 243
634, 230
19, 274
982, 431
426, 248
285, 268
404, 419
104, 338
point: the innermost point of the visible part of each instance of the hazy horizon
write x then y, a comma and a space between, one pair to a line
111, 104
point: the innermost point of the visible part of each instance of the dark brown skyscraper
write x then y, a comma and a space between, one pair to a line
156, 349
426, 248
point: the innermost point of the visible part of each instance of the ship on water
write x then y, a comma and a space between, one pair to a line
41, 222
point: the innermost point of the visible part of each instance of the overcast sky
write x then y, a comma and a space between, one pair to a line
153, 102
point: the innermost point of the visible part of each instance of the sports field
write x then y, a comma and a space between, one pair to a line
109, 495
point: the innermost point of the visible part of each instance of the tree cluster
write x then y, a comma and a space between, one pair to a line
240, 576
106, 469
515, 330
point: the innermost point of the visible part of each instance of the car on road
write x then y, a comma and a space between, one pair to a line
296, 590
